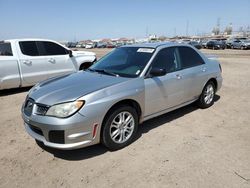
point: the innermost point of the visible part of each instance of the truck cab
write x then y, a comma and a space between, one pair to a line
25, 62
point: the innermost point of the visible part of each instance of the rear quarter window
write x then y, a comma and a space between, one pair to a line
189, 57
29, 48
5, 49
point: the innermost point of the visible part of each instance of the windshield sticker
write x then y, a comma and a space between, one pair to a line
146, 50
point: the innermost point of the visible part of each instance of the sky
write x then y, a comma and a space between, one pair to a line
95, 19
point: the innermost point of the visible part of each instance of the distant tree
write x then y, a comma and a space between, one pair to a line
216, 31
228, 30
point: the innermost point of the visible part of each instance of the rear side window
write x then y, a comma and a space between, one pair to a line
50, 48
5, 49
29, 48
189, 57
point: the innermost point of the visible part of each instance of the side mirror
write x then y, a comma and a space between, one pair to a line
157, 72
70, 53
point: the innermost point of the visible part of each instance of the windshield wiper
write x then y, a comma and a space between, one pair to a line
103, 71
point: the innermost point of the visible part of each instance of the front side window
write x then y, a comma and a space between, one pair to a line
124, 61
189, 57
167, 59
50, 48
5, 49
29, 48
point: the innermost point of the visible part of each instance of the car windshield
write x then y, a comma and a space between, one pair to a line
124, 62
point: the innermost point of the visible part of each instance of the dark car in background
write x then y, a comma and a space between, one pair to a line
216, 45
195, 44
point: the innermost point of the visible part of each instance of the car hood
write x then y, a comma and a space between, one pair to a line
71, 87
83, 53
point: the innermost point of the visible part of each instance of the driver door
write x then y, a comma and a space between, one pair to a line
163, 92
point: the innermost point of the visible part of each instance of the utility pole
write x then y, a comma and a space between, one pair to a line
218, 25
187, 27
147, 32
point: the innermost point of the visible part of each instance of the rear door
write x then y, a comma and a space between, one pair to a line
194, 72
9, 71
34, 68
163, 92
57, 58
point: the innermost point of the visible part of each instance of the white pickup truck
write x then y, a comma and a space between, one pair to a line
24, 62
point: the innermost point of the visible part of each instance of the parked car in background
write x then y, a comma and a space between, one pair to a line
24, 62
89, 45
71, 44
240, 44
110, 45
128, 86
78, 46
195, 44
101, 45
215, 45
204, 43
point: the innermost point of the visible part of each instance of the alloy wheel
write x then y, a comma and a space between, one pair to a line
122, 127
209, 94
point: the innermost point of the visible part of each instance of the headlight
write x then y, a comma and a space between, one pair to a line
65, 109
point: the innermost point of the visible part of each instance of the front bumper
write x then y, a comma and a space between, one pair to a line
56, 145
74, 132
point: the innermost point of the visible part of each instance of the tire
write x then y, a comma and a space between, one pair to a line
206, 98
85, 66
122, 134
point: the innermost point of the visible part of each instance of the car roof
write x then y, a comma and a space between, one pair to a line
155, 45
28, 39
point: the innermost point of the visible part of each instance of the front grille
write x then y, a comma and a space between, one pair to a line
28, 106
41, 109
56, 137
36, 130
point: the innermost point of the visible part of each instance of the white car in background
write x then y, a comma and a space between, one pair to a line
25, 62
89, 45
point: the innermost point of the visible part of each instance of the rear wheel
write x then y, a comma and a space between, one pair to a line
85, 66
206, 98
120, 127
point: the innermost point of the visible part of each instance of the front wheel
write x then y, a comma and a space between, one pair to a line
206, 98
120, 127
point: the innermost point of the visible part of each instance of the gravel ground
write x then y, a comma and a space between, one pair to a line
189, 147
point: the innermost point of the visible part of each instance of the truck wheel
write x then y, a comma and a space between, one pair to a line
120, 127
85, 66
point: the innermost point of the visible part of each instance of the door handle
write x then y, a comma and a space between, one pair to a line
204, 69
178, 76
27, 62
51, 60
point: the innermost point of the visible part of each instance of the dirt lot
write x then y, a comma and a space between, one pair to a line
185, 148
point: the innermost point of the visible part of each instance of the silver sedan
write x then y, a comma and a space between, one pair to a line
106, 103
